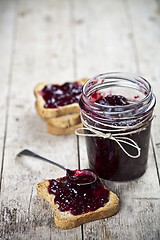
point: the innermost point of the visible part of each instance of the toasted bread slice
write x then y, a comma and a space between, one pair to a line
66, 220
54, 112
63, 131
63, 121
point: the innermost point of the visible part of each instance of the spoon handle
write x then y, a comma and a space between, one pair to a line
29, 153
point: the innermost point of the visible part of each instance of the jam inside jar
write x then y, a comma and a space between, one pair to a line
116, 110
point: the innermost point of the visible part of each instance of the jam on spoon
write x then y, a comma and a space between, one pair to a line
80, 191
79, 177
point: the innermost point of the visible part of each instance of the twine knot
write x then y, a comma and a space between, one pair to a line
118, 138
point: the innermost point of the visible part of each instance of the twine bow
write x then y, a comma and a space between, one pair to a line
117, 137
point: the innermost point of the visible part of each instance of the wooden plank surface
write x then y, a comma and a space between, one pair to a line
135, 196
7, 16
62, 41
147, 42
43, 52
139, 194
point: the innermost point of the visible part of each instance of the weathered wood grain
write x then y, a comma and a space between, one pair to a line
43, 52
135, 219
132, 221
61, 41
7, 17
103, 38
147, 34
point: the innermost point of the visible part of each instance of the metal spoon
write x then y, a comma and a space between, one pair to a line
79, 177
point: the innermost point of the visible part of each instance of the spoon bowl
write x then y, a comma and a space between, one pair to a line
78, 177
81, 177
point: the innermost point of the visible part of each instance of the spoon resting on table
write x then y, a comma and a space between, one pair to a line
79, 177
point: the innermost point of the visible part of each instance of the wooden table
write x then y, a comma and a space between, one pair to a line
59, 41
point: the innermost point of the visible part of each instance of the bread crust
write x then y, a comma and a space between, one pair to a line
54, 112
66, 220
63, 121
63, 131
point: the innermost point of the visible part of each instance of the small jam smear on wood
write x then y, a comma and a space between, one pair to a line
60, 95
78, 199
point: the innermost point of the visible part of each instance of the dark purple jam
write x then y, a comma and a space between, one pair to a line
105, 155
60, 95
80, 176
78, 199
112, 100
110, 161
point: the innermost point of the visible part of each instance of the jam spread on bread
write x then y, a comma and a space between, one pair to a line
78, 199
60, 95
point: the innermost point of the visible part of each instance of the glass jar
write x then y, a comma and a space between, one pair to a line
117, 136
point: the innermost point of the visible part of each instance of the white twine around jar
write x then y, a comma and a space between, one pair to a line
117, 137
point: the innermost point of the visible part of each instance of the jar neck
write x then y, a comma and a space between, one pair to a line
134, 88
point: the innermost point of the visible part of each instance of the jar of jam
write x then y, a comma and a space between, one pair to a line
116, 111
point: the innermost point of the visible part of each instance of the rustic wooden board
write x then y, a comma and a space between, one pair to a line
103, 38
132, 222
147, 34
43, 52
135, 196
61, 41
7, 13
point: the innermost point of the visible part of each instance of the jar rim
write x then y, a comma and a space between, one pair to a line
136, 79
